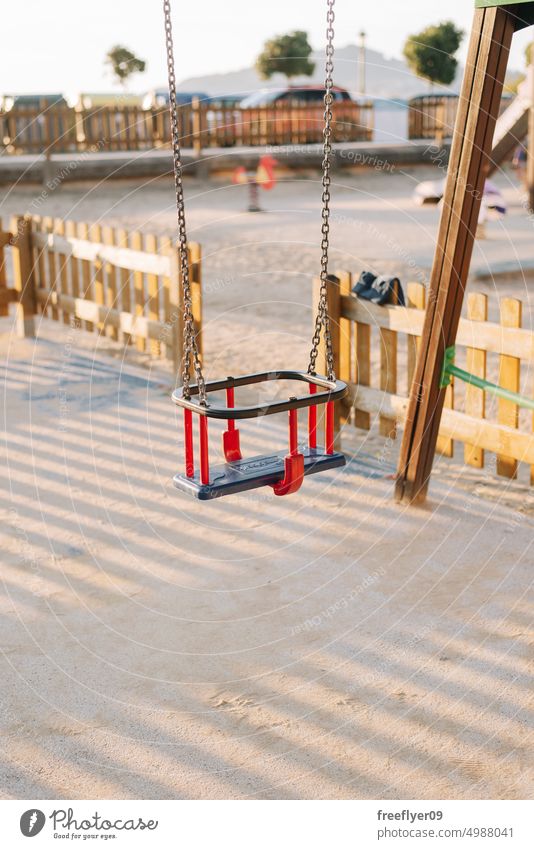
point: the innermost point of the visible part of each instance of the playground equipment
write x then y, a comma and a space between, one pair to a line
263, 178
283, 473
495, 22
432, 191
451, 370
512, 125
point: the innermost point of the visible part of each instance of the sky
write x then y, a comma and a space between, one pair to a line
60, 45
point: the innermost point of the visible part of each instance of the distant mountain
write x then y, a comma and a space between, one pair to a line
385, 78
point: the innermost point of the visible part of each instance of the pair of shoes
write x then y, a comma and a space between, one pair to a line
381, 290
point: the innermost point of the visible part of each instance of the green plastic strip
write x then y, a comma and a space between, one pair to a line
450, 370
448, 361
483, 4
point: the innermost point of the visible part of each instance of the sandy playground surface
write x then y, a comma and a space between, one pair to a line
328, 645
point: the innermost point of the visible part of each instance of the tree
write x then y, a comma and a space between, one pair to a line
124, 63
430, 53
286, 54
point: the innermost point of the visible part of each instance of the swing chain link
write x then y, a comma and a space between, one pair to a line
322, 318
190, 341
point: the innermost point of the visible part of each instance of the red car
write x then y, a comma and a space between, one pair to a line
298, 95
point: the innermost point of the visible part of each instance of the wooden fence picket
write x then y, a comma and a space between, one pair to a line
110, 274
152, 281
97, 272
475, 399
62, 270
416, 299
136, 242
509, 378
82, 231
345, 340
124, 291
362, 345
4, 306
388, 372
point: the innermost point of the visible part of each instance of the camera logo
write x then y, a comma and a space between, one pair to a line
32, 822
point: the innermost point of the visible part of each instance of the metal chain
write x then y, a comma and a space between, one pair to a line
322, 319
190, 342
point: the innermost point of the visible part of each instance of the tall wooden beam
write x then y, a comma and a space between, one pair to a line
493, 27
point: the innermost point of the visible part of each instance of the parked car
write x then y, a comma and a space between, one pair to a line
25, 120
294, 95
95, 100
30, 101
160, 97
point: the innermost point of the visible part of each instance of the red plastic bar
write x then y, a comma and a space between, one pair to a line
230, 403
231, 446
204, 455
188, 440
329, 430
312, 420
293, 462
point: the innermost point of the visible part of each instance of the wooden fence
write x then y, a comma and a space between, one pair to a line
376, 347
432, 116
107, 280
60, 129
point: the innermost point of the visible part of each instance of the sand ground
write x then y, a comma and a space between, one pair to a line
328, 645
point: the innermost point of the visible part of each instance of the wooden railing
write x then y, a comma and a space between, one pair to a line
376, 348
106, 280
59, 129
431, 116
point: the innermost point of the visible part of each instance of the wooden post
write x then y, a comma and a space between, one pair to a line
473, 134
23, 274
